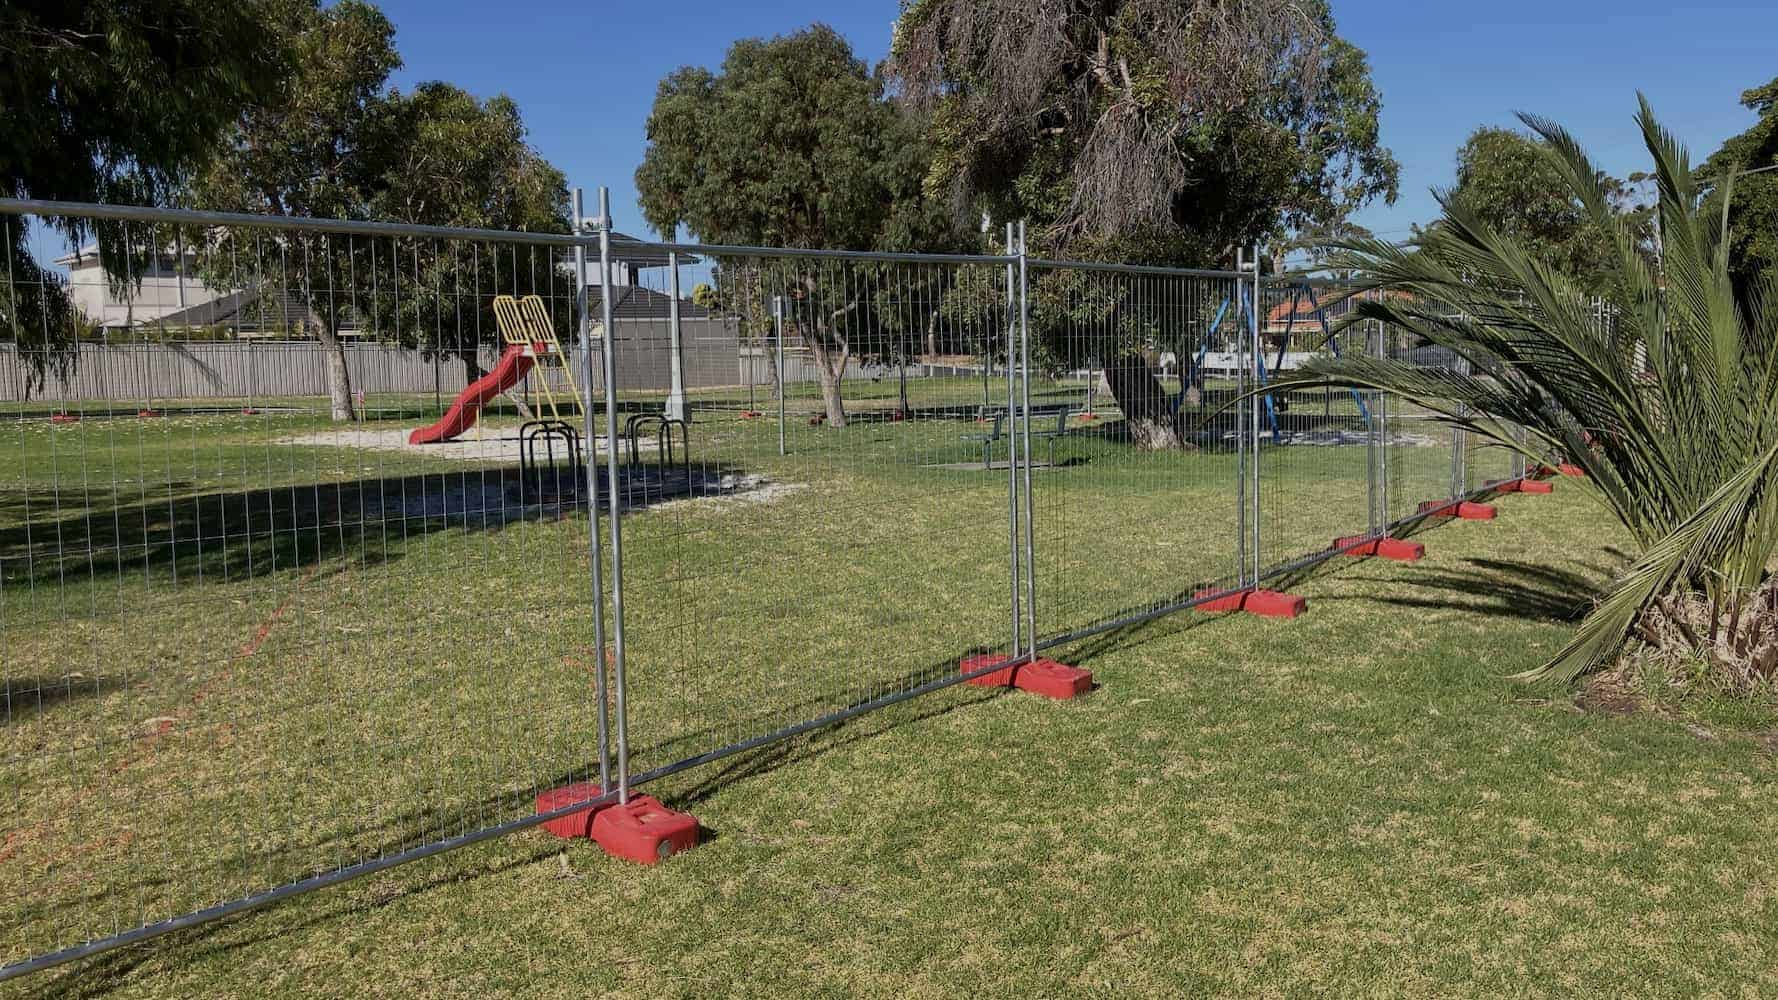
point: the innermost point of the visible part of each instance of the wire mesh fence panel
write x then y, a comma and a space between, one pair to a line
1315, 446
1422, 460
1135, 463
840, 535
251, 634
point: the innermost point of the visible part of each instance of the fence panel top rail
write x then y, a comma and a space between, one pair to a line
192, 217
1157, 269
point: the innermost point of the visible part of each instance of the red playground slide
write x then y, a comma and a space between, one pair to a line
514, 363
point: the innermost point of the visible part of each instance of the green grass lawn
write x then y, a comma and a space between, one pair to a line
1356, 802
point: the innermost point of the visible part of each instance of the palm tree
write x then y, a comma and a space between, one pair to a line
1672, 411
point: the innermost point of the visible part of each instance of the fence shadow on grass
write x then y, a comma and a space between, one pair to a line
1500, 588
49, 539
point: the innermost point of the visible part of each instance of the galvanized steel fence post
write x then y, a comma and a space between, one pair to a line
613, 486
1025, 421
1008, 331
595, 556
778, 363
1243, 385
1258, 362
676, 345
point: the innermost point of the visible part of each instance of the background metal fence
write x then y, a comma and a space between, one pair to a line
251, 651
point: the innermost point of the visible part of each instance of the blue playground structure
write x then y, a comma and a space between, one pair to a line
1193, 373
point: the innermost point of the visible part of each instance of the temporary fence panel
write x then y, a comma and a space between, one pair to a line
249, 648
1136, 467
1421, 449
806, 550
261, 636
1315, 446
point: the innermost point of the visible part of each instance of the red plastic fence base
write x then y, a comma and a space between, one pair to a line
64, 418
145, 414
1042, 676
644, 831
575, 824
1398, 549
1265, 603
1524, 486
248, 411
1464, 509
997, 679
1565, 469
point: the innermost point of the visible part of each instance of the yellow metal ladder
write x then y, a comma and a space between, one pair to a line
526, 323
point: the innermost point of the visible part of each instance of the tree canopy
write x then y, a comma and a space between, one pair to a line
1154, 130
793, 143
338, 143
114, 101
1753, 209
1508, 180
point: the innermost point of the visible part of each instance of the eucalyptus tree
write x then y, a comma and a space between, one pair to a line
1152, 131
792, 143
113, 101
337, 142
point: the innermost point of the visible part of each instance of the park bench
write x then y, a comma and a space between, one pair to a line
987, 440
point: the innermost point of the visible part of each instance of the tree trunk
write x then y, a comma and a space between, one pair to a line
1149, 419
832, 369
472, 366
339, 377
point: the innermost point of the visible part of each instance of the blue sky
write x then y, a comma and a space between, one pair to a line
585, 73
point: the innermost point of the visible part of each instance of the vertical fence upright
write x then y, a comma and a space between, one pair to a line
1023, 419
614, 491
590, 469
1014, 299
1256, 359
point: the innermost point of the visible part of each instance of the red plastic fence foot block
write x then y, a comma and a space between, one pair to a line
1440, 508
1397, 549
1271, 604
1536, 486
575, 824
145, 414
1572, 470
1229, 602
644, 831
993, 679
1042, 676
1470, 511
64, 418
1265, 603
1046, 677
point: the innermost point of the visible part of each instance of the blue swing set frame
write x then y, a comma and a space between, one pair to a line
1245, 310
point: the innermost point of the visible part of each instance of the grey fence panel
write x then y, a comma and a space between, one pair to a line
1136, 464
1316, 446
246, 654
790, 562
252, 651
